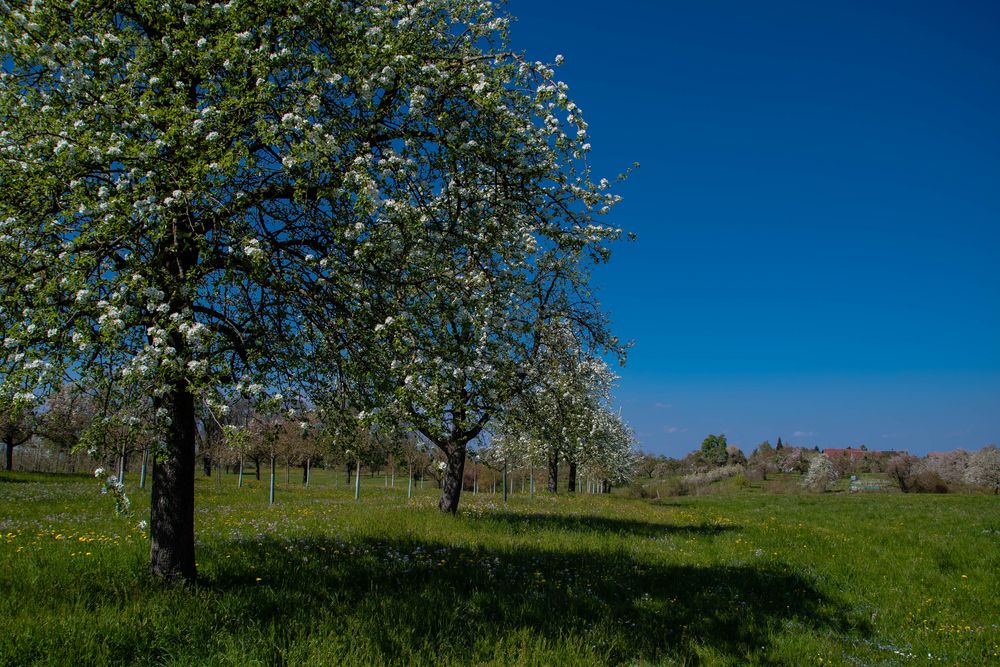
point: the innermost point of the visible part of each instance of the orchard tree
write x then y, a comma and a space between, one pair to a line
984, 469
67, 416
17, 426
714, 450
566, 413
508, 233
209, 191
821, 474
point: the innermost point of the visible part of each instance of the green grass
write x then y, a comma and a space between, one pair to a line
319, 579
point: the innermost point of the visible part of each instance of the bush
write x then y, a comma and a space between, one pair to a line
925, 481
675, 486
714, 475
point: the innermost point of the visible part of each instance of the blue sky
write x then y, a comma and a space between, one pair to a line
818, 213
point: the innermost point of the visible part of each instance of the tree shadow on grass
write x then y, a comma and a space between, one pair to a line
603, 525
415, 602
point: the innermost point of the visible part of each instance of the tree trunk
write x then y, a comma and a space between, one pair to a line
553, 473
571, 482
171, 521
305, 473
9, 456
142, 471
350, 469
270, 496
256, 467
206, 464
454, 476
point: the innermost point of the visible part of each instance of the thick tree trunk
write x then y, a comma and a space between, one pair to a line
9, 456
571, 482
553, 473
171, 523
454, 476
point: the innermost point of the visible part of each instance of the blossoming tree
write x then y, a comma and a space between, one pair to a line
566, 414
212, 192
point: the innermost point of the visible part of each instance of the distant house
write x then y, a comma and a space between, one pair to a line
845, 453
856, 454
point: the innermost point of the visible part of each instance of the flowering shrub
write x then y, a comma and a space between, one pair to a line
116, 488
821, 475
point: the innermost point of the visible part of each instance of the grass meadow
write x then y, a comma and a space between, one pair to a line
319, 579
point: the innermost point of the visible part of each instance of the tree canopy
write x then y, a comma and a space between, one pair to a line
281, 201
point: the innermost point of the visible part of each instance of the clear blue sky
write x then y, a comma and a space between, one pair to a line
818, 212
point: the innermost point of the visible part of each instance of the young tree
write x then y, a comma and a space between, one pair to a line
67, 416
18, 422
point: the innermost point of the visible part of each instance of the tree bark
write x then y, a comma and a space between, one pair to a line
9, 457
171, 523
553, 473
256, 467
571, 482
454, 476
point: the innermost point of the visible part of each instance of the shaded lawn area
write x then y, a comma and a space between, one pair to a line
319, 579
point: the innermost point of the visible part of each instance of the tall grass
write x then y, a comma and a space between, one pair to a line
321, 579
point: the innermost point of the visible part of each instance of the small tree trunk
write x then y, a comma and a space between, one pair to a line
305, 473
9, 458
171, 520
571, 482
504, 480
553, 474
288, 473
409, 483
206, 465
256, 465
239, 483
270, 495
142, 470
350, 470
357, 481
454, 476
